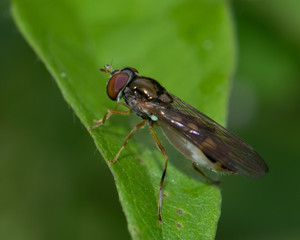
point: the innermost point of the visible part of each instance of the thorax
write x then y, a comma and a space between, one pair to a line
144, 95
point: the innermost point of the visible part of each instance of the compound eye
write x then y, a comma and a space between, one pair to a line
115, 84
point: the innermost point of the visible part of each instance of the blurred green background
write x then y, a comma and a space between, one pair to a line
55, 185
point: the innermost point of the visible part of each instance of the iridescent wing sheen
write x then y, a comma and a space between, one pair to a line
219, 145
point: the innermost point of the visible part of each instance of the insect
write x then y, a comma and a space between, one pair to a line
191, 132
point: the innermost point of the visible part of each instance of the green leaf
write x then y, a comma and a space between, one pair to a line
187, 46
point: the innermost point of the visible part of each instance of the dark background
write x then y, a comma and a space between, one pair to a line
55, 185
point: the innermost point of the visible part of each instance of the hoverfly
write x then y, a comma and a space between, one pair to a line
195, 135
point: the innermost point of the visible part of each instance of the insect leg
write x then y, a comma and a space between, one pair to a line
161, 148
138, 126
204, 175
108, 114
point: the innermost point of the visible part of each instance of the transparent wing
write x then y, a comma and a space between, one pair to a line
218, 144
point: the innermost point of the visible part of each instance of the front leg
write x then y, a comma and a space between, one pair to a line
108, 114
